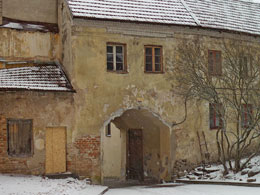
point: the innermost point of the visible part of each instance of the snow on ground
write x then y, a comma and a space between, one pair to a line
32, 185
187, 190
214, 173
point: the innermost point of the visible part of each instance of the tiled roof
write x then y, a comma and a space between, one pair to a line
44, 77
235, 15
157, 11
227, 14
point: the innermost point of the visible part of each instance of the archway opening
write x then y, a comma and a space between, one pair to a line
136, 147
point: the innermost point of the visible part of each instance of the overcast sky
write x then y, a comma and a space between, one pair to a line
257, 1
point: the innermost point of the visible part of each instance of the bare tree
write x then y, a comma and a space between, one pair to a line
229, 82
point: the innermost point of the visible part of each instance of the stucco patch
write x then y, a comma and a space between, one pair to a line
39, 144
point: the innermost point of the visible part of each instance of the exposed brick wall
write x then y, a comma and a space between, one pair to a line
11, 164
84, 157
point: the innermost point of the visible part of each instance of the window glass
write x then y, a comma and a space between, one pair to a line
108, 130
153, 59
119, 49
158, 51
214, 63
148, 51
215, 116
115, 58
246, 115
110, 49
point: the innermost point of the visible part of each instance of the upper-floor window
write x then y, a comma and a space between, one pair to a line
215, 119
246, 115
153, 59
245, 65
116, 57
214, 63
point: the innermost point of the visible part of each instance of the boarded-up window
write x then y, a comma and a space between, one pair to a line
214, 63
19, 137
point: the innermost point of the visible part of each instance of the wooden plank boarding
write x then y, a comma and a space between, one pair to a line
48, 148
55, 150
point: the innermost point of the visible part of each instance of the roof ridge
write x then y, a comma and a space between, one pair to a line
191, 13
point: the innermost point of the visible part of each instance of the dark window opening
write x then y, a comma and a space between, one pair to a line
214, 63
215, 116
246, 115
245, 64
108, 130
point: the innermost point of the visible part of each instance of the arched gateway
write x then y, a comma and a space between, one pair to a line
136, 147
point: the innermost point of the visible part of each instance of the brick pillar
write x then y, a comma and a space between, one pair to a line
84, 157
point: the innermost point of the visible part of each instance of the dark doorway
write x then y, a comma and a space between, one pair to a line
135, 155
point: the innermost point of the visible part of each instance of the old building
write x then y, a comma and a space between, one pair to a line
84, 85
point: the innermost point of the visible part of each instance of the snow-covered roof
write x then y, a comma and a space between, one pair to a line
20, 26
29, 26
43, 77
235, 15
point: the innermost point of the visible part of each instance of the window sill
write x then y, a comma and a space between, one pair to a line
117, 72
214, 128
20, 156
151, 72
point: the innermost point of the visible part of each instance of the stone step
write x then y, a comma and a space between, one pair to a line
62, 175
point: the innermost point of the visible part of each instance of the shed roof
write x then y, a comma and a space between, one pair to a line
41, 77
234, 15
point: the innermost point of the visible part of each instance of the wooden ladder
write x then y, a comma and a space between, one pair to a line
203, 147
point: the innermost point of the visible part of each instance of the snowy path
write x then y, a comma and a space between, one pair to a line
187, 190
31, 185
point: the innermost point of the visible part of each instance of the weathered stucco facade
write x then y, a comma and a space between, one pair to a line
108, 96
133, 100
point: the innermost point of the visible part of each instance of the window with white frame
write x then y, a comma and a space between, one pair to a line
116, 57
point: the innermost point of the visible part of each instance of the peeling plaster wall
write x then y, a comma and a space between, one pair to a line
65, 24
151, 153
1, 11
24, 45
102, 96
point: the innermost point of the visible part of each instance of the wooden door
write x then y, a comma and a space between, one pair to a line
55, 150
135, 155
